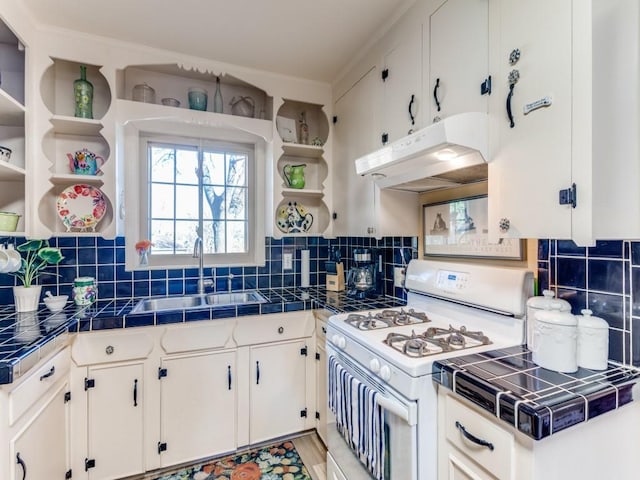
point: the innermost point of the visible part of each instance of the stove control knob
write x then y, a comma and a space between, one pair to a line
374, 365
339, 341
385, 373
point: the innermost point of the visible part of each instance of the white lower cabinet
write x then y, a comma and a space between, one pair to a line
198, 406
322, 407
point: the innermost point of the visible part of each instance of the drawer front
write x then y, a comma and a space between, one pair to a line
201, 336
96, 347
321, 330
273, 328
498, 457
36, 384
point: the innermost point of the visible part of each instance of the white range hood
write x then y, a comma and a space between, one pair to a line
422, 160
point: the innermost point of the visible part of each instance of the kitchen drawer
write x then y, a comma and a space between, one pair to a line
36, 383
273, 328
200, 336
321, 316
107, 347
497, 460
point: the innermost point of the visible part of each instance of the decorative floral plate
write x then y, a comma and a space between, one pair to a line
81, 207
293, 218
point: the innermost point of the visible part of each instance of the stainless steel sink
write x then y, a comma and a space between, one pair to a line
185, 302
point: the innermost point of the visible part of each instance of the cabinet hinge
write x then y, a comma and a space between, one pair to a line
385, 138
67, 397
385, 74
317, 415
89, 463
89, 383
304, 351
162, 447
303, 413
317, 355
485, 87
334, 119
569, 196
68, 474
162, 372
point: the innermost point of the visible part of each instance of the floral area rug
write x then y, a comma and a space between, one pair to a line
278, 462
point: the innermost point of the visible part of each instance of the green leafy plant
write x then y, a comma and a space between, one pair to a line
36, 256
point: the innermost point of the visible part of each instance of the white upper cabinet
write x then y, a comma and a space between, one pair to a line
458, 58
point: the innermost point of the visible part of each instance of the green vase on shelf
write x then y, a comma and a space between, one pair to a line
83, 92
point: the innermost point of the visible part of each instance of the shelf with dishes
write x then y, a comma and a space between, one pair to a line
302, 175
302, 216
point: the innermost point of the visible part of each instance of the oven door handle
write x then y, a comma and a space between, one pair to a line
406, 412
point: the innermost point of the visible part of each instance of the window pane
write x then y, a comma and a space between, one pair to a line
213, 168
186, 202
237, 203
213, 203
185, 236
162, 200
162, 236
218, 237
187, 167
162, 164
236, 237
237, 170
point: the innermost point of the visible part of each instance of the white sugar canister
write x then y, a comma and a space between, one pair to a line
555, 340
545, 302
593, 341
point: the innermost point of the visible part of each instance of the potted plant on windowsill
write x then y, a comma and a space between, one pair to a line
36, 256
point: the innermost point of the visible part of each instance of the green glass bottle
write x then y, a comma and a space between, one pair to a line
83, 92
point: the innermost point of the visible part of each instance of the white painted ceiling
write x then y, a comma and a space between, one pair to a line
313, 39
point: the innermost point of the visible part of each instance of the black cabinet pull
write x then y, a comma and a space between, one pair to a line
257, 373
473, 438
135, 392
435, 93
20, 462
509, 114
51, 371
411, 115
229, 376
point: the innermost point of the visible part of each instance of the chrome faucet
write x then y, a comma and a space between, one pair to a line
229, 280
198, 253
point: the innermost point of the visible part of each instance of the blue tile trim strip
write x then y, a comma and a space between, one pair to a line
536, 401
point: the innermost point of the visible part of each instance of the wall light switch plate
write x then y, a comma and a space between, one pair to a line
398, 277
287, 261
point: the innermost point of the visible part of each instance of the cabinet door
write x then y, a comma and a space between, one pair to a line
356, 134
531, 162
41, 448
198, 406
321, 393
403, 66
115, 420
459, 57
460, 467
278, 390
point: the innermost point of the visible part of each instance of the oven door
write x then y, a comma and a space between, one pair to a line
385, 453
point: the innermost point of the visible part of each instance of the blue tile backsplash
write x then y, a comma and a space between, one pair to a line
605, 279
104, 260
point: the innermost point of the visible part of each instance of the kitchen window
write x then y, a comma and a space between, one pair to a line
209, 186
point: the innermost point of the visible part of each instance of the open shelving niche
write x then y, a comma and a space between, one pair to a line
316, 172
12, 127
69, 134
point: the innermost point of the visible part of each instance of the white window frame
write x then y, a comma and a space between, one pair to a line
135, 136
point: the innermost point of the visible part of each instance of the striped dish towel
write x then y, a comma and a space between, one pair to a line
359, 418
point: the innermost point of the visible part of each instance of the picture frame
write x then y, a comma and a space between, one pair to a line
287, 129
459, 228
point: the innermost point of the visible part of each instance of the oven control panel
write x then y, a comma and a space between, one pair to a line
451, 281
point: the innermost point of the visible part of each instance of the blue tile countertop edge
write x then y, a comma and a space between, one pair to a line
535, 401
32, 335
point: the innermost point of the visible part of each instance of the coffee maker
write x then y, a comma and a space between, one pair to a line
365, 278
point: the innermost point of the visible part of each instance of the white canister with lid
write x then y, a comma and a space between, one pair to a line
555, 340
545, 302
593, 341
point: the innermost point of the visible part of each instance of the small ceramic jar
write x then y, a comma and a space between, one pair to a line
85, 290
593, 341
143, 93
555, 340
545, 302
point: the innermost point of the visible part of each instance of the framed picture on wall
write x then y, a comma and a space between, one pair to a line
459, 228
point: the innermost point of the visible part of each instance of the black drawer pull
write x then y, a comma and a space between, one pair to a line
135, 392
473, 438
257, 373
20, 462
51, 371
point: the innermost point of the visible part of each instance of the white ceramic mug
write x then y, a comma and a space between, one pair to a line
4, 260
15, 259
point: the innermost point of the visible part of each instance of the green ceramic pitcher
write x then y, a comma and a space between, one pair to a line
294, 175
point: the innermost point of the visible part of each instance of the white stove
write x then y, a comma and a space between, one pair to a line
452, 309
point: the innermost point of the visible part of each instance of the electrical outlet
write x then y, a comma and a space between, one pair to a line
398, 277
287, 261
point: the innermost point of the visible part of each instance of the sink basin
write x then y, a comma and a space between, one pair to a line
185, 302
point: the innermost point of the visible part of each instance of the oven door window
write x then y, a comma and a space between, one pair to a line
372, 424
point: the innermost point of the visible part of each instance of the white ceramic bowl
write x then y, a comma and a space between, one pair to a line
56, 303
171, 102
